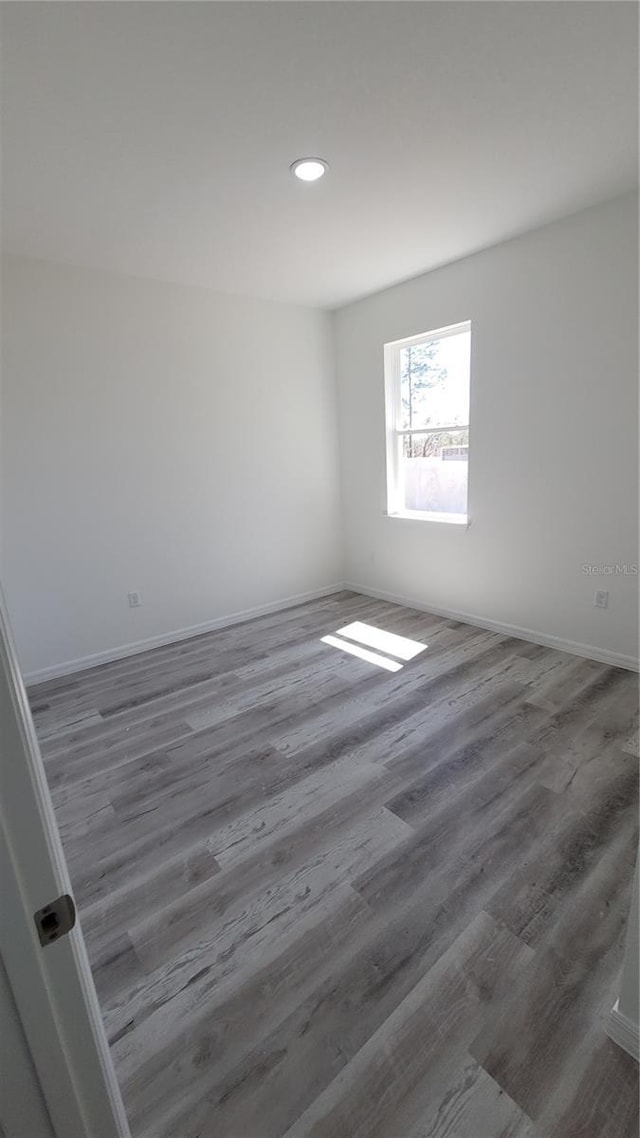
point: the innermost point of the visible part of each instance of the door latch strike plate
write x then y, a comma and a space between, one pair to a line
56, 919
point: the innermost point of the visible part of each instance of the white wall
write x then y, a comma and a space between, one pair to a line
161, 438
140, 452
553, 479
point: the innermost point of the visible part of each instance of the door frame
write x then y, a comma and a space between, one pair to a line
52, 986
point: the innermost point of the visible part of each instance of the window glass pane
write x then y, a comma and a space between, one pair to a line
435, 382
434, 472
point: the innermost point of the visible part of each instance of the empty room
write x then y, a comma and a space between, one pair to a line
319, 562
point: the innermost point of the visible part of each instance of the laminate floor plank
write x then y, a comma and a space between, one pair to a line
542, 1023
427, 1032
473, 1106
604, 1102
564, 856
176, 950
325, 900
339, 1014
206, 1033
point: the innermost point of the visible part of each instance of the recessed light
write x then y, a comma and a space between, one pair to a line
309, 169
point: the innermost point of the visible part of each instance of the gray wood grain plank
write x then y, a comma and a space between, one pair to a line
474, 1106
321, 898
541, 1024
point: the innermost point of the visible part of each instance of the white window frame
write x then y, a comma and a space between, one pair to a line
395, 432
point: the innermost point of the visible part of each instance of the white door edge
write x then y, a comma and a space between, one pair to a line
52, 986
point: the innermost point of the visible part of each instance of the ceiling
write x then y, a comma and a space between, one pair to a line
155, 138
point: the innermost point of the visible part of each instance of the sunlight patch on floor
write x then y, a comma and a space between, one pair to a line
363, 653
377, 638
369, 637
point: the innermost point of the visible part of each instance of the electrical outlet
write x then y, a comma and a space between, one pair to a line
601, 598
135, 599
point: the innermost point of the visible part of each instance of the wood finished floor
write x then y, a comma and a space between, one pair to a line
322, 900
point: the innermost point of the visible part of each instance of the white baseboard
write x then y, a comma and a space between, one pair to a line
602, 655
82, 663
624, 1032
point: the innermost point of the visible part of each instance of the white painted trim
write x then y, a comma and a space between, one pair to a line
425, 516
588, 651
53, 987
436, 334
448, 427
83, 662
394, 429
624, 1032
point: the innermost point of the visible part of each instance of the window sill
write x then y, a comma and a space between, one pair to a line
444, 519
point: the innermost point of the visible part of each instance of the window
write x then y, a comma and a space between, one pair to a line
427, 409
